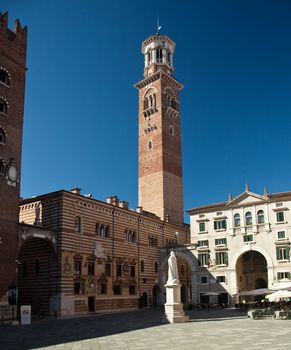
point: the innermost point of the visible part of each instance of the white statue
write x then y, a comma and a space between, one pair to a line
98, 250
173, 269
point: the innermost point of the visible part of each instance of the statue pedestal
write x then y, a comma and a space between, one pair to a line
174, 312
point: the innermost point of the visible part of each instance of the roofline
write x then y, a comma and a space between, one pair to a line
223, 204
133, 212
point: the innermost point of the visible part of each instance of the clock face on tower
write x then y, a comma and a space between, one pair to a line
12, 173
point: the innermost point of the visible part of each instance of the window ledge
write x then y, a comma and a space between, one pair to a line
281, 222
221, 265
3, 113
283, 261
220, 230
202, 232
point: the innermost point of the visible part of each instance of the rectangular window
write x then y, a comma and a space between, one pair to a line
220, 225
283, 275
204, 243
77, 267
281, 234
118, 270
203, 279
103, 288
108, 269
221, 258
132, 271
203, 259
220, 279
248, 238
220, 241
117, 289
282, 253
91, 268
132, 290
280, 216
202, 227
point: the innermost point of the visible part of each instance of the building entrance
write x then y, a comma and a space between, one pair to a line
91, 304
251, 271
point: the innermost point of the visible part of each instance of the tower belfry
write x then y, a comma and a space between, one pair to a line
160, 161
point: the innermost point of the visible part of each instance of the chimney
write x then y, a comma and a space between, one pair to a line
76, 190
113, 200
139, 210
123, 204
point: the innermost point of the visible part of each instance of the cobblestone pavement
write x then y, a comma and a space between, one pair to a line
215, 329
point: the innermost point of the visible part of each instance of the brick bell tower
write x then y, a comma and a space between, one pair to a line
12, 87
160, 161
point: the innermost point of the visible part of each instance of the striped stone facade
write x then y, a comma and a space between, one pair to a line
107, 256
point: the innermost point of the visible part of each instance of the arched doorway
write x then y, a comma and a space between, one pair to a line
37, 276
144, 300
251, 271
183, 294
156, 295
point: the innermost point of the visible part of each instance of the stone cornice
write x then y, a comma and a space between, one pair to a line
158, 75
153, 38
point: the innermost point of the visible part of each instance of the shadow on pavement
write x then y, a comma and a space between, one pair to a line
49, 332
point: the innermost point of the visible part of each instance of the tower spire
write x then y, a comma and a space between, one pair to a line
159, 27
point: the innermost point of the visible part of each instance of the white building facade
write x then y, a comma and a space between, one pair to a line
241, 245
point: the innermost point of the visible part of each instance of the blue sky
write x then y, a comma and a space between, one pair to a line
233, 57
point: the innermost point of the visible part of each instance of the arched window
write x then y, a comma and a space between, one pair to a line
3, 105
141, 266
102, 231
2, 136
149, 56
169, 58
261, 217
36, 267
236, 220
151, 101
145, 104
156, 267
159, 54
171, 130
2, 167
78, 224
106, 234
4, 77
133, 238
97, 229
249, 220
150, 144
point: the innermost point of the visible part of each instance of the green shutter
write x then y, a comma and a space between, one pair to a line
224, 224
278, 253
215, 225
287, 252
216, 241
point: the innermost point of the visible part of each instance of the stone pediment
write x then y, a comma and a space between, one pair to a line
247, 198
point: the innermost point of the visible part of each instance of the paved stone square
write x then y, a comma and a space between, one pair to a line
214, 329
